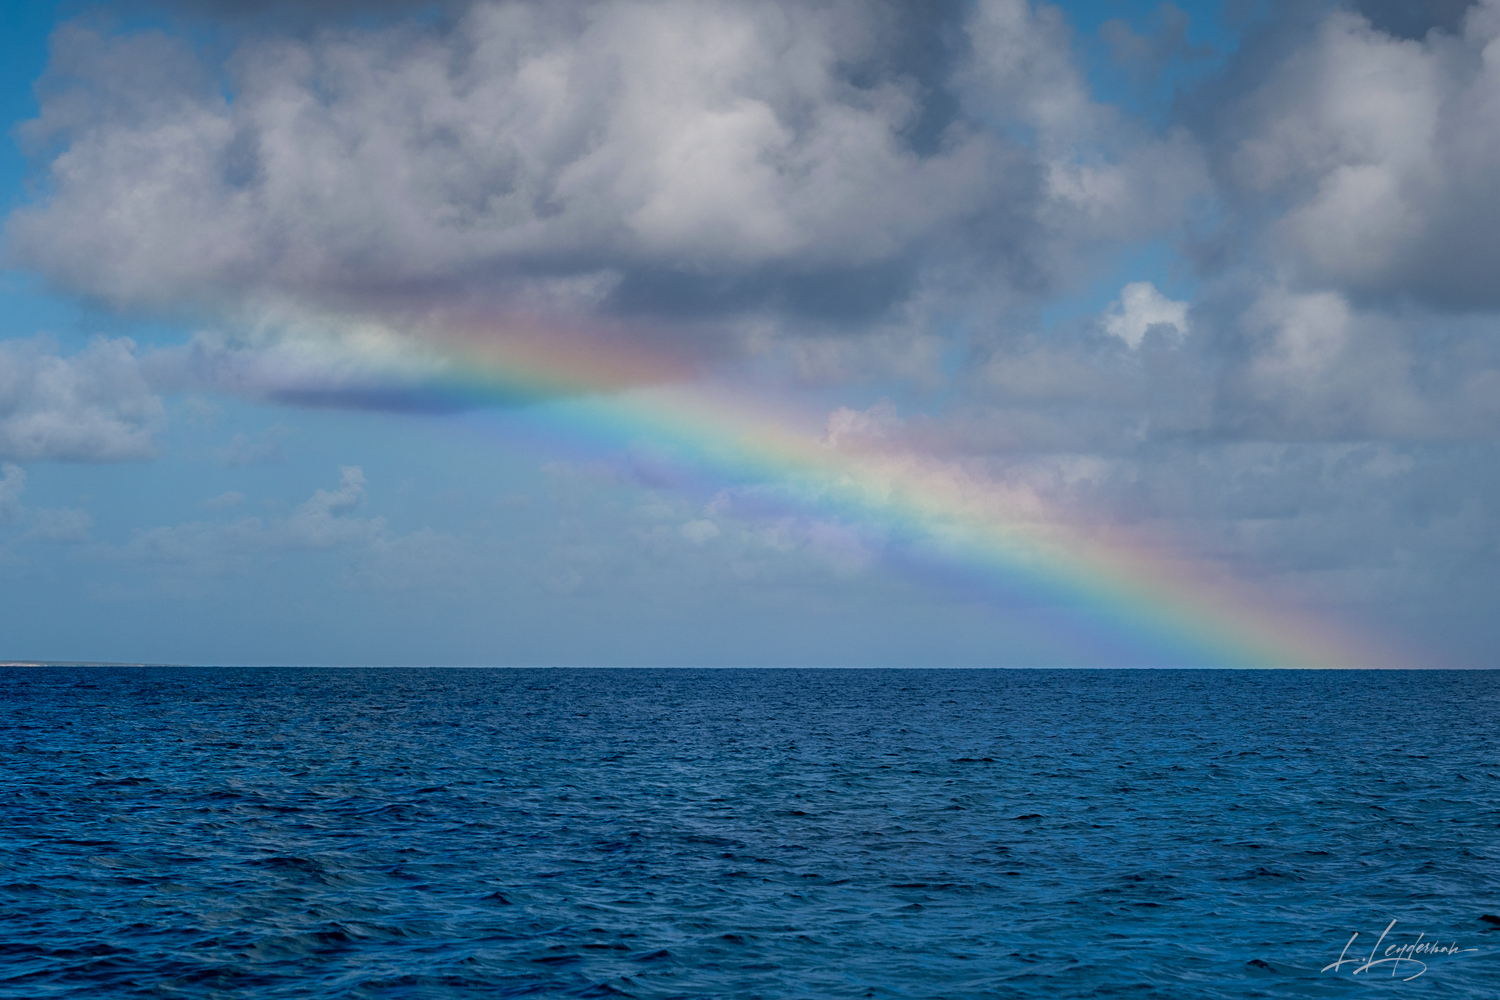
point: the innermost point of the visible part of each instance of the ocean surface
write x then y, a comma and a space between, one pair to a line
265, 833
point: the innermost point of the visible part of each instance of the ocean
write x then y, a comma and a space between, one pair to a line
466, 833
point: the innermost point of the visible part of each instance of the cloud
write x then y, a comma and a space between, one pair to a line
673, 138
319, 522
64, 525
12, 485
260, 449
422, 560
1374, 155
47, 525
1139, 308
700, 163
374, 557
94, 406
883, 194
224, 501
1415, 18
1144, 57
699, 531
322, 522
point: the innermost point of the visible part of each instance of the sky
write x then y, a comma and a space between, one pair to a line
751, 333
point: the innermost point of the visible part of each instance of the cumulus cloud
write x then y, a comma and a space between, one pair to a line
94, 406
1377, 153
826, 193
1139, 308
695, 161
683, 138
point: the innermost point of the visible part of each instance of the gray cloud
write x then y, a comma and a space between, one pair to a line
849, 192
12, 485
1414, 18
688, 160
1144, 56
1366, 160
94, 406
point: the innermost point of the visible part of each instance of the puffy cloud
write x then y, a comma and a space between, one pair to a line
848, 192
528, 139
1374, 155
318, 523
1140, 307
94, 406
692, 160
360, 367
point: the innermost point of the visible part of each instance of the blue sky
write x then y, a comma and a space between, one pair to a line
1216, 278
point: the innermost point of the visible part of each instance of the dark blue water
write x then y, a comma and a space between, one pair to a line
778, 833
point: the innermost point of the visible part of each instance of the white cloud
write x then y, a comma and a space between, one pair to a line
320, 522
713, 164
687, 134
1139, 308
94, 406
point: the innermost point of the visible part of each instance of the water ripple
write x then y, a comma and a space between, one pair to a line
777, 833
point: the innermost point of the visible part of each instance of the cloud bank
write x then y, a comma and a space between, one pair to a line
813, 162
95, 406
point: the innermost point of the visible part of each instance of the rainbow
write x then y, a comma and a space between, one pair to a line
579, 387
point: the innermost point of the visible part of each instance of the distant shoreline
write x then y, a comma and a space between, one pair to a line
83, 663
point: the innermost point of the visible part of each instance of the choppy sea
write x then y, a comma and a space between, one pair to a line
383, 833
